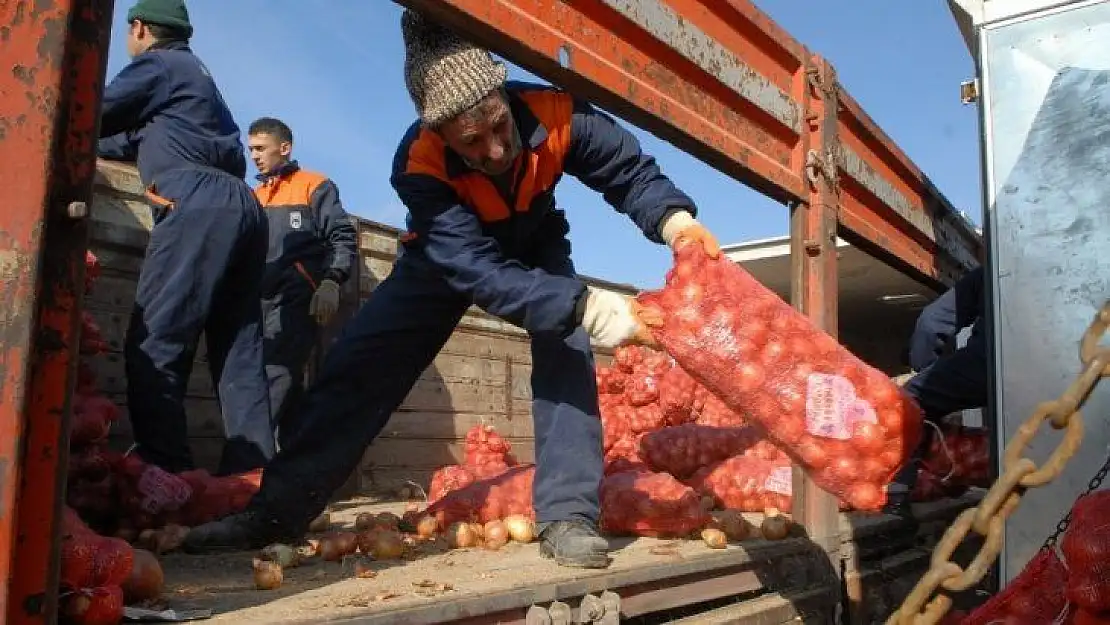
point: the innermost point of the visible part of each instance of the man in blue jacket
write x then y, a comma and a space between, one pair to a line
477, 173
207, 250
947, 380
313, 245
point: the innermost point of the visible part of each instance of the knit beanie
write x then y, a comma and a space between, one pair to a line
444, 74
169, 13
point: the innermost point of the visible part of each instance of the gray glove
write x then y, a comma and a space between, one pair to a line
325, 302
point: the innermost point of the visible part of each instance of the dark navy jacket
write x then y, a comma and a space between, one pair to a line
509, 254
165, 111
944, 318
311, 236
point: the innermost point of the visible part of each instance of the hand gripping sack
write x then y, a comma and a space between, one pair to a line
845, 423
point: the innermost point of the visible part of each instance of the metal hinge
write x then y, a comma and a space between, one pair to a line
818, 166
969, 91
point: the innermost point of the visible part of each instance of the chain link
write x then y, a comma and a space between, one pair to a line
924, 605
1092, 486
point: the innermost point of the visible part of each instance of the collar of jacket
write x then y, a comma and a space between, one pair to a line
283, 170
170, 44
531, 130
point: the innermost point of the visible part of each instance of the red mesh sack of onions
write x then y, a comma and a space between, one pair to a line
447, 479
713, 412
682, 450
845, 423
960, 456
625, 455
616, 419
747, 483
1086, 547
215, 497
1079, 616
676, 396
649, 504
486, 453
931, 487
489, 499
1036, 595
93, 415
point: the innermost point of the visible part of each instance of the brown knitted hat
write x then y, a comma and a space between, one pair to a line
444, 74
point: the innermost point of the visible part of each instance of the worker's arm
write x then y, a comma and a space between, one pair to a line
133, 96
945, 317
123, 146
337, 228
473, 264
607, 158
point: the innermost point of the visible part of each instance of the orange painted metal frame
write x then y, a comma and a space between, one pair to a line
719, 79
53, 53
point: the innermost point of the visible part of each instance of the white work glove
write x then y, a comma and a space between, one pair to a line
901, 380
679, 227
325, 301
613, 320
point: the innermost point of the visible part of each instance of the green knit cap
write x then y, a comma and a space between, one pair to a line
169, 13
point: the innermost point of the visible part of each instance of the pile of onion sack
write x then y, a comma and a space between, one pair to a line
98, 573
665, 472
121, 511
115, 492
842, 421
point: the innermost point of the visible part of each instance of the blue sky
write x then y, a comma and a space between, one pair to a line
332, 69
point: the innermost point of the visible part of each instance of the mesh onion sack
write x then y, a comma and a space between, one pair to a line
1034, 597
847, 424
1086, 547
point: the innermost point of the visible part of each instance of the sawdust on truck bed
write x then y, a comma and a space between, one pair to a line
321, 591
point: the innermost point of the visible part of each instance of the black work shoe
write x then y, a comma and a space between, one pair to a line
901, 508
574, 544
898, 508
244, 531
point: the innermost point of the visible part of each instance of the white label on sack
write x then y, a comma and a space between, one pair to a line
832, 407
162, 492
780, 481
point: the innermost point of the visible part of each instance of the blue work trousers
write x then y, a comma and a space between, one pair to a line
202, 274
369, 371
290, 333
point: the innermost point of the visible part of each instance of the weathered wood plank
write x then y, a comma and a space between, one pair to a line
438, 425
111, 292
204, 419
117, 260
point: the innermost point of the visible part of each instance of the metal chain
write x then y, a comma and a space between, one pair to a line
1092, 486
924, 605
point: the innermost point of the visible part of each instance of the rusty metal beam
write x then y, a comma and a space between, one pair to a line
814, 285
717, 79
889, 203
711, 82
54, 56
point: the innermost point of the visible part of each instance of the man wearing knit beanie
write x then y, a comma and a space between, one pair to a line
207, 249
477, 173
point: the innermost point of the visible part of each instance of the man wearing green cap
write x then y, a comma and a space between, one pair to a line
207, 249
